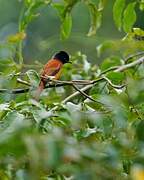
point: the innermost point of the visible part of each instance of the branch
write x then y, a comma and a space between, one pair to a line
89, 83
127, 66
116, 68
57, 83
86, 95
113, 85
19, 91
82, 90
23, 82
76, 93
14, 91
119, 69
73, 95
108, 70
79, 82
134, 55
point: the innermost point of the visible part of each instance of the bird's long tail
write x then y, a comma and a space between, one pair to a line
39, 90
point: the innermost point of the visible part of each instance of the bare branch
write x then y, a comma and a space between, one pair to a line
109, 69
134, 55
23, 82
86, 95
14, 91
89, 87
76, 93
79, 82
113, 85
132, 64
89, 83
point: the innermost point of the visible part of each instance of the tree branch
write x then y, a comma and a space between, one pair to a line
119, 69
86, 95
89, 83
23, 82
132, 64
113, 85
109, 69
14, 91
134, 55
76, 93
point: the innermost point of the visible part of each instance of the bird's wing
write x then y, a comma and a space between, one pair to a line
51, 68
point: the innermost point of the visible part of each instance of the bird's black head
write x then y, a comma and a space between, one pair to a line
62, 56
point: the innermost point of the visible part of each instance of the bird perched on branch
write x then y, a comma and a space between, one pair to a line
52, 68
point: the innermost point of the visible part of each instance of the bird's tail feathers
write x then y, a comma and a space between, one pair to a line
39, 90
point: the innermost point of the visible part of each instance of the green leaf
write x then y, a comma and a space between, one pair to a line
28, 2
86, 64
96, 16
139, 130
4, 107
13, 122
104, 46
59, 7
64, 118
66, 26
41, 114
73, 107
129, 17
15, 38
136, 90
101, 4
110, 62
138, 31
141, 5
84, 133
117, 12
116, 77
116, 107
3, 175
135, 34
33, 77
7, 66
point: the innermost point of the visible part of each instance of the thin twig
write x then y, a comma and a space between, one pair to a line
25, 90
76, 93
79, 82
109, 69
103, 87
72, 96
132, 64
86, 95
20, 43
14, 91
134, 55
23, 82
113, 85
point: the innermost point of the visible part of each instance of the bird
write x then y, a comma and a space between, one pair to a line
52, 68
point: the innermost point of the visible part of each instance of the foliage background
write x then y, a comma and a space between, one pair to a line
43, 33
75, 138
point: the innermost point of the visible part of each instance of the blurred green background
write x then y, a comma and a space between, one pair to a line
43, 38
